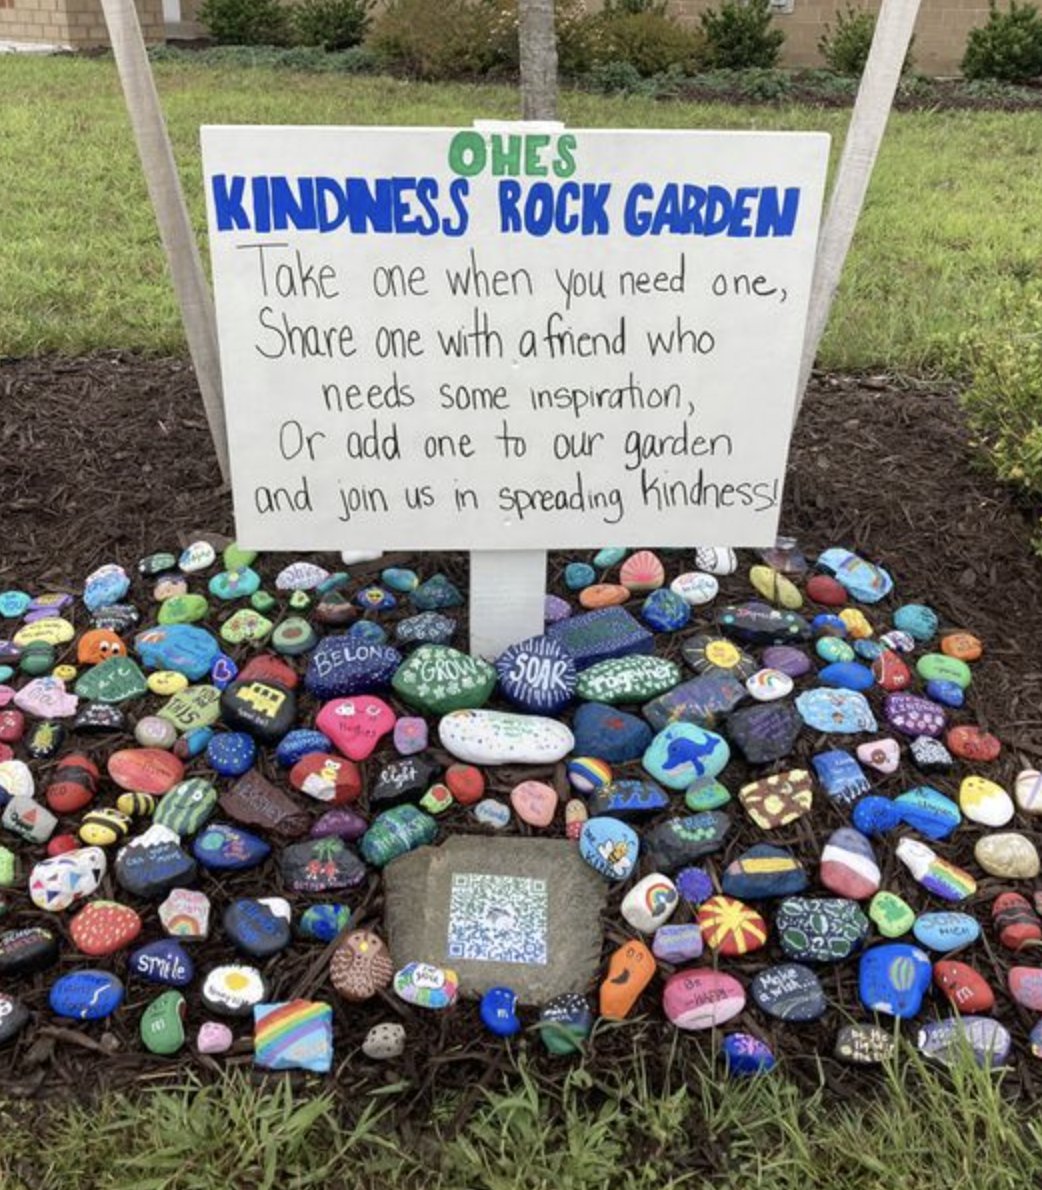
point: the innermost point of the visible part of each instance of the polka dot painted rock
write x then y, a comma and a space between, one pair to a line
494, 737
104, 927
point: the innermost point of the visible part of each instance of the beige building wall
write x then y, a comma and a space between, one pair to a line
78, 23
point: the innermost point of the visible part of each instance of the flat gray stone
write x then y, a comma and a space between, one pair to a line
519, 913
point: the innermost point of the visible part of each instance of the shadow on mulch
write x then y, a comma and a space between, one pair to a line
108, 458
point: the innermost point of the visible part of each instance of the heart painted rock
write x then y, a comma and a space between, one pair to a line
356, 725
699, 999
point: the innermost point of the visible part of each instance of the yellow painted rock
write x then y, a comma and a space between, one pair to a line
67, 673
985, 802
52, 630
775, 587
858, 627
166, 681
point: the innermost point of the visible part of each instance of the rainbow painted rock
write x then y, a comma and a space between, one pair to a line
426, 986
938, 876
650, 903
293, 1035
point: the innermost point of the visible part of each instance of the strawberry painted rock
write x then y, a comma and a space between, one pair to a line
145, 770
356, 725
104, 927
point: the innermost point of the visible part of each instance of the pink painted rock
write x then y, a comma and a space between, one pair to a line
848, 865
702, 999
1025, 986
327, 778
882, 755
642, 571
12, 726
46, 698
356, 725
534, 802
103, 927
410, 735
214, 1038
7, 693
145, 770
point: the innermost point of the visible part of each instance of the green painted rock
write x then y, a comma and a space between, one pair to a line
162, 1024
7, 867
294, 636
186, 807
235, 557
262, 601
37, 659
939, 667
115, 680
300, 601
706, 794
195, 706
439, 679
892, 916
627, 679
183, 609
246, 625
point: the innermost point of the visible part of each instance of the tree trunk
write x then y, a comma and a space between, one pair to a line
538, 60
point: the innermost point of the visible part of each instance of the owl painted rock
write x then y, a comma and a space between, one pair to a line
361, 966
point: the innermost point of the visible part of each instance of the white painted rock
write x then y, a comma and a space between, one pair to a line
1028, 791
695, 588
496, 737
384, 1041
17, 778
300, 576
650, 903
985, 802
766, 685
57, 883
1009, 855
882, 755
352, 557
716, 559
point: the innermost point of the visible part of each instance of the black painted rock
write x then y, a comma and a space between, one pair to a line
319, 865
790, 992
118, 617
680, 841
404, 780
760, 624
259, 927
99, 718
820, 929
265, 710
153, 863
45, 739
701, 701
628, 799
13, 1018
24, 951
254, 801
765, 732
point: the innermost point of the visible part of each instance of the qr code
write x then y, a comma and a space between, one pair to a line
498, 919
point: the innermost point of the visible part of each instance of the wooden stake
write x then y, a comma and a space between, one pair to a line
875, 97
175, 228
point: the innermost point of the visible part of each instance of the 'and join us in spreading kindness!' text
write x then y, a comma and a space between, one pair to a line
562, 400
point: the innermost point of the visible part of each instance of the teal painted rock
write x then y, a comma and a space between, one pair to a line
439, 679
117, 680
706, 794
628, 679
918, 620
293, 637
939, 667
162, 1024
234, 584
395, 832
682, 752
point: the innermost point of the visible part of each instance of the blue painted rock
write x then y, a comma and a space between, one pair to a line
163, 962
609, 734
848, 675
682, 753
367, 632
841, 775
834, 651
787, 659
893, 978
946, 1041
918, 620
323, 922
493, 737
428, 628
694, 884
86, 995
498, 1012
265, 710
184, 648
704, 700
876, 815
600, 635
259, 928
836, 711
234, 584
231, 753
537, 675
396, 832
820, 929
868, 650
108, 584
627, 799
677, 944
565, 1022
764, 733
848, 865
864, 580
610, 847
764, 872
320, 865
790, 992
948, 694
928, 811
913, 716
679, 841
400, 580
186, 807
436, 594
746, 1056
759, 624
153, 863
944, 931
665, 611
224, 848
827, 624
628, 679
298, 743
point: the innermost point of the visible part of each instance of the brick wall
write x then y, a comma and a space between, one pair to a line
71, 22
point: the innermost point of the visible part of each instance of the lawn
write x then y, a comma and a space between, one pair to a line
951, 211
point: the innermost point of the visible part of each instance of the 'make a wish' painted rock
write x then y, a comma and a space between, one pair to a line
496, 737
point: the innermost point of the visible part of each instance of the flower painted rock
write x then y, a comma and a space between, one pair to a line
702, 999
356, 725
495, 737
438, 679
913, 716
682, 753
233, 989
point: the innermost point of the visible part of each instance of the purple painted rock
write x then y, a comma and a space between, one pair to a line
913, 716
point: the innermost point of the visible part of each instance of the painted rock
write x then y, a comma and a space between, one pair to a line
192, 707
695, 588
184, 648
650, 903
1009, 855
491, 813
758, 624
61, 881
965, 989
677, 944
930, 755
185, 914
600, 635
246, 626
323, 922
599, 595
971, 743
384, 1042
1016, 922
103, 927
145, 770
913, 716
642, 571
628, 799
856, 623
775, 587
361, 966
153, 863
28, 820
764, 872
932, 666
893, 978
841, 775
343, 823
890, 672
938, 876
53, 630
863, 580
963, 646
16, 779
848, 865
610, 847
746, 1056
716, 559
427, 628
946, 931
882, 755
162, 1024
731, 927
707, 793
233, 989
1028, 791
891, 916
404, 780
663, 611
293, 1035
679, 841
820, 929
537, 676
565, 1022
494, 737
46, 698
186, 807
864, 1045
1025, 986
945, 1041
576, 816
847, 675
706, 653
254, 801
104, 827
948, 694
342, 665
396, 832
426, 986
356, 725
985, 802
164, 962
466, 783
787, 659
918, 620
628, 679
928, 811
224, 848
14, 1016
703, 701
86, 995
606, 732
534, 802
327, 778
682, 753
702, 999
768, 685
630, 970
73, 785
835, 710
44, 740
321, 865
776, 801
153, 732
259, 928
266, 710
183, 609
790, 992
231, 753
295, 745
107, 584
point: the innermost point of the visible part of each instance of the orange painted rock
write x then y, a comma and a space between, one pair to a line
145, 770
74, 786
971, 743
642, 571
731, 927
103, 927
630, 970
963, 646
966, 989
603, 595
99, 645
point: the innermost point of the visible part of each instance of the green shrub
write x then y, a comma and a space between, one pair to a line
451, 39
1004, 401
649, 42
245, 22
845, 47
332, 24
619, 7
740, 34
1007, 47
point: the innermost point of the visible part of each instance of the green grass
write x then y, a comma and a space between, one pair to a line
951, 212
920, 1129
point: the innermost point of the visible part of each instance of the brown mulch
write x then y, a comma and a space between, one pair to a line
108, 458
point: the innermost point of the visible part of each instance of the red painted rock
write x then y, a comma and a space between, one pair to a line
966, 989
702, 999
327, 778
356, 725
74, 786
731, 927
642, 571
59, 844
848, 865
103, 927
267, 668
534, 802
6, 752
890, 671
12, 725
1015, 921
971, 743
630, 970
145, 770
823, 588
1025, 986
466, 782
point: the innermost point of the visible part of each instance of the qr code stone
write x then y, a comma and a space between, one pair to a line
498, 919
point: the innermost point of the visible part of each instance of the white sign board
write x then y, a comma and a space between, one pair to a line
464, 339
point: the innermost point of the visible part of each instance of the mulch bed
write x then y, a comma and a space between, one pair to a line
108, 458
